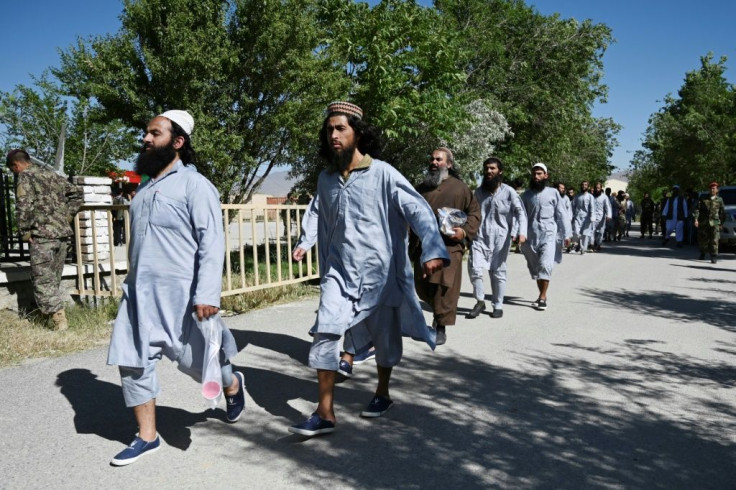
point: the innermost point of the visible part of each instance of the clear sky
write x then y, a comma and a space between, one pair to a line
657, 42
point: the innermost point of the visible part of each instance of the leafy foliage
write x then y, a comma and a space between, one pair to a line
35, 117
691, 141
250, 72
543, 74
481, 76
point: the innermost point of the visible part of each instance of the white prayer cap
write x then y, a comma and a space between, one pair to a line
182, 118
540, 165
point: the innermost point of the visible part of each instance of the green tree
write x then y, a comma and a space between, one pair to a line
35, 118
543, 73
691, 140
400, 60
253, 73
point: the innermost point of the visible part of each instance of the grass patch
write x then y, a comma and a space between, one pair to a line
28, 337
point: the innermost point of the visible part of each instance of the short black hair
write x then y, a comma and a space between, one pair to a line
17, 155
495, 160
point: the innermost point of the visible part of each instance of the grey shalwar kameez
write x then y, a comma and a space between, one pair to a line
559, 244
545, 211
365, 270
501, 212
176, 258
603, 214
583, 225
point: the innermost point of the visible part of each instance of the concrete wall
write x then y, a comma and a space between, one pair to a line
97, 191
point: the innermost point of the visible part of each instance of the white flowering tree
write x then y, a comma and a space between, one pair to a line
478, 141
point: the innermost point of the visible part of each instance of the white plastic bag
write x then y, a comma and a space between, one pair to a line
451, 218
211, 372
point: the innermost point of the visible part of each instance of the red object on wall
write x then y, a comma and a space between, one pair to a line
128, 176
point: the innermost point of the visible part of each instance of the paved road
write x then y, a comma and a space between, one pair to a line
626, 381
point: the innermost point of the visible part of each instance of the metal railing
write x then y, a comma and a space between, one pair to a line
258, 245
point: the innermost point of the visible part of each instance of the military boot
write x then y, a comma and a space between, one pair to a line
59, 320
713, 259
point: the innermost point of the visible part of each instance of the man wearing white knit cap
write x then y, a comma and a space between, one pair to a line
176, 259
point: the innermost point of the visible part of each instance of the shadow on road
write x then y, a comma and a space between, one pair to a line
524, 429
665, 304
99, 409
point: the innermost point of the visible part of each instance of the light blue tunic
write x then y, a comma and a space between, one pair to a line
602, 208
502, 215
362, 228
546, 214
583, 208
176, 258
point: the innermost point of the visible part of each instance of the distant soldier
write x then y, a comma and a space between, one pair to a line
708, 218
657, 218
647, 215
46, 204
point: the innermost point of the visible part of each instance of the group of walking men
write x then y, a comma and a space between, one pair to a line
371, 272
371, 276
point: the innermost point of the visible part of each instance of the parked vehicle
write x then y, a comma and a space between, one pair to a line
728, 233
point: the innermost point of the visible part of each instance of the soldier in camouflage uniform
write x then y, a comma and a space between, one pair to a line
708, 217
45, 205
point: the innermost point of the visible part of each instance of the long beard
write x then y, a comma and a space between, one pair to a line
342, 158
562, 193
152, 161
537, 186
435, 177
492, 184
596, 193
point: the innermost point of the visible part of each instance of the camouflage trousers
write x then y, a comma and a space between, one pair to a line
708, 237
47, 264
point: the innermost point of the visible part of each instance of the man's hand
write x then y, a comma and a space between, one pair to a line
432, 266
459, 234
520, 239
205, 311
298, 254
695, 223
567, 242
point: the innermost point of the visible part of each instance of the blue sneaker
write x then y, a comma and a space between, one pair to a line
377, 407
365, 356
345, 369
313, 426
137, 448
236, 403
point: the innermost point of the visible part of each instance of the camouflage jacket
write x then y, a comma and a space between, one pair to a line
46, 203
710, 210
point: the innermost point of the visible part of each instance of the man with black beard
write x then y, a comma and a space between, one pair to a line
442, 188
502, 215
177, 250
583, 210
603, 214
546, 214
360, 217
